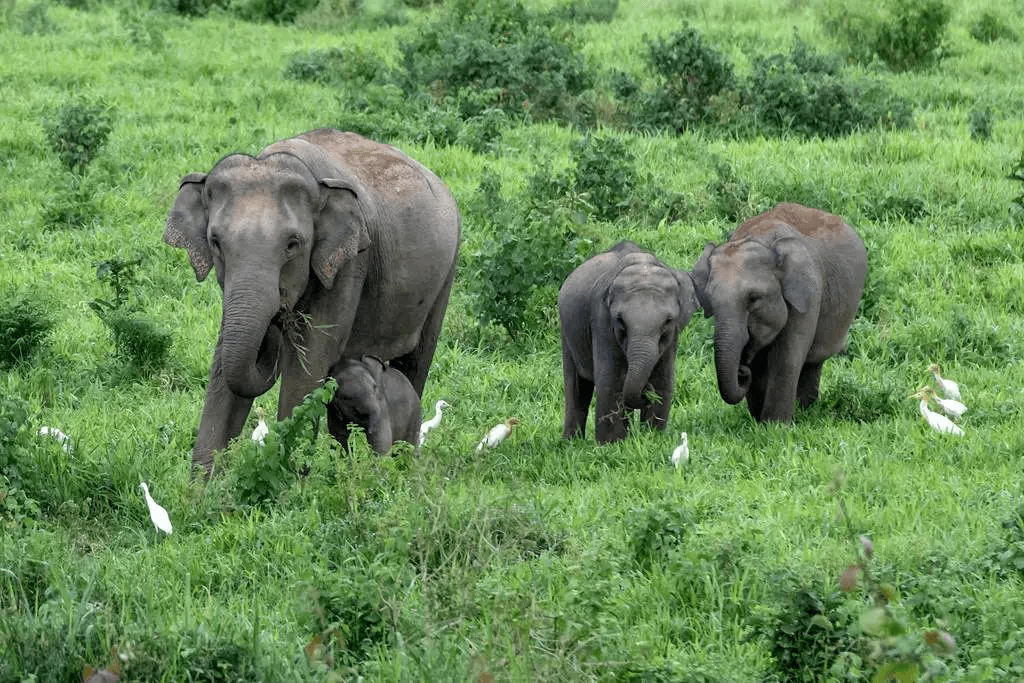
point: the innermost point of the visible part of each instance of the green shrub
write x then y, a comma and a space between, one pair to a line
78, 131
656, 530
25, 324
487, 45
909, 35
582, 11
1017, 174
980, 124
273, 11
989, 28
336, 66
606, 174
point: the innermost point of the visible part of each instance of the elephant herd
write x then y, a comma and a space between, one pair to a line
336, 257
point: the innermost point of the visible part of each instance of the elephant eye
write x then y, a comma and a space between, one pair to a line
215, 245
293, 245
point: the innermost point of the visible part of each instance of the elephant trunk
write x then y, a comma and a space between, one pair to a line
378, 434
641, 356
250, 340
733, 377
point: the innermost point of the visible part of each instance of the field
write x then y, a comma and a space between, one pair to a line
543, 559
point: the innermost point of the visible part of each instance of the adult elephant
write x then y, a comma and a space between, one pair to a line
783, 291
326, 245
620, 314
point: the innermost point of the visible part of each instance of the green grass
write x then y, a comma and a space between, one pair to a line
544, 559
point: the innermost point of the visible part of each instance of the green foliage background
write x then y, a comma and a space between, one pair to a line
541, 560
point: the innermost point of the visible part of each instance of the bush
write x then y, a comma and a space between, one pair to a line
336, 66
910, 36
989, 28
606, 174
78, 131
25, 323
499, 45
980, 124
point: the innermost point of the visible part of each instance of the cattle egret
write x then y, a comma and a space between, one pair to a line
949, 406
950, 389
432, 422
261, 430
681, 455
57, 435
939, 423
161, 520
497, 434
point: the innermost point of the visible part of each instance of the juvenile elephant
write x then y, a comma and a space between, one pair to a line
379, 399
783, 291
326, 245
620, 314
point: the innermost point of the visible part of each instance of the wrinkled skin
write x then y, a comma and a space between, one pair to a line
620, 314
326, 245
783, 290
380, 400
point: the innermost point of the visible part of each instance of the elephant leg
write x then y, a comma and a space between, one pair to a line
578, 393
758, 384
416, 364
609, 416
224, 415
807, 385
662, 381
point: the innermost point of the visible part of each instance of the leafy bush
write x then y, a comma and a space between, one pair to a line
498, 45
606, 174
15, 460
582, 11
690, 74
657, 529
525, 259
909, 36
988, 28
980, 124
336, 66
24, 326
1017, 173
78, 131
273, 11
262, 472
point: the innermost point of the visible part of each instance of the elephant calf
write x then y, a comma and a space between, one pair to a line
379, 399
783, 291
620, 314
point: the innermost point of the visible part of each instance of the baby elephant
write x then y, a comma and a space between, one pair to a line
783, 291
379, 399
620, 314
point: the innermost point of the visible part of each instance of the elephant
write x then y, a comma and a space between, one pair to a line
379, 399
326, 245
783, 290
620, 314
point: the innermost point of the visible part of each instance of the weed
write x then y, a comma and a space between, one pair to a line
989, 27
606, 175
78, 130
980, 124
25, 323
911, 35
337, 66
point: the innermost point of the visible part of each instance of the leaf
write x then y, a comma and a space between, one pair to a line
889, 592
874, 621
903, 672
821, 621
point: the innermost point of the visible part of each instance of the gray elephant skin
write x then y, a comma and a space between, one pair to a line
620, 314
379, 399
326, 245
783, 290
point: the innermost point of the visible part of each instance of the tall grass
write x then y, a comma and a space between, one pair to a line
543, 559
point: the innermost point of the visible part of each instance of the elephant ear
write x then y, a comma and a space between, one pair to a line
688, 301
186, 226
795, 269
700, 273
340, 230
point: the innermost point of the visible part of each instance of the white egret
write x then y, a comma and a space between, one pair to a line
950, 389
681, 455
949, 406
939, 423
57, 435
161, 520
261, 430
497, 434
432, 422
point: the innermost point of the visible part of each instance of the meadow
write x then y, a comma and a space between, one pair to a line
543, 559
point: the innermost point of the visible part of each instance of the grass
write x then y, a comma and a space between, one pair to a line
544, 559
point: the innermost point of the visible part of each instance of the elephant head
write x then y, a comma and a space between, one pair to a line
361, 399
264, 224
753, 286
647, 304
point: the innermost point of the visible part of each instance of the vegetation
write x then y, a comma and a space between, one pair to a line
853, 545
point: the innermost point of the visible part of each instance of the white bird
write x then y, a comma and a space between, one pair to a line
161, 520
681, 455
949, 406
950, 389
432, 422
939, 423
57, 435
497, 434
261, 430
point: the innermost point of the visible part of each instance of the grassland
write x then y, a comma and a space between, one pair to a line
542, 560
